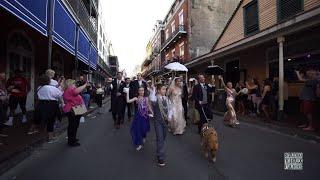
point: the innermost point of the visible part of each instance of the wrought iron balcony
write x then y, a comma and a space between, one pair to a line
86, 21
177, 34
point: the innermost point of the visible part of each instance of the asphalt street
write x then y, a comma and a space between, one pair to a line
246, 152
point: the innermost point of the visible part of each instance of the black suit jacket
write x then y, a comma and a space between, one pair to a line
134, 88
198, 95
115, 89
185, 94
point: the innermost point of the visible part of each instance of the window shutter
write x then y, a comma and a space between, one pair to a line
289, 8
251, 18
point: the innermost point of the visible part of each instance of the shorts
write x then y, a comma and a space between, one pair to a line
307, 107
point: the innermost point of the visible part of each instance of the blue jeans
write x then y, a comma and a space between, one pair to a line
86, 99
161, 133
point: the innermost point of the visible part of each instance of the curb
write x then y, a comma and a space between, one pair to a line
295, 132
17, 157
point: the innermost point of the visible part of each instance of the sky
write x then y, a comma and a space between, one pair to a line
129, 25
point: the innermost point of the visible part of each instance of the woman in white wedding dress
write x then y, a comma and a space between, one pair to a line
178, 123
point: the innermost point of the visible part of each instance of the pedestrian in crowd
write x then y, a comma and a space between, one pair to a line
129, 106
136, 84
51, 73
18, 88
230, 116
202, 96
3, 103
267, 99
140, 125
193, 113
275, 96
99, 97
241, 98
178, 123
119, 100
49, 97
185, 98
308, 96
254, 95
72, 98
86, 92
160, 108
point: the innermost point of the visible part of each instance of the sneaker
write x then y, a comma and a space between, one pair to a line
9, 122
32, 132
3, 135
139, 148
237, 122
161, 163
53, 140
24, 119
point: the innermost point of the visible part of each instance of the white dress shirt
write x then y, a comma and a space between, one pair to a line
49, 92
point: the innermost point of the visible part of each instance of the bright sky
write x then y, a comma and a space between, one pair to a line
129, 27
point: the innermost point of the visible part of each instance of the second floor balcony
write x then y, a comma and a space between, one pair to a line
88, 18
176, 35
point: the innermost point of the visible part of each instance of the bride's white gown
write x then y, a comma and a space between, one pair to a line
178, 123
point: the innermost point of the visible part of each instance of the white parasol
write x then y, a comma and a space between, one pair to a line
175, 66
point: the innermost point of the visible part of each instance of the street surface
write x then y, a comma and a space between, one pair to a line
247, 152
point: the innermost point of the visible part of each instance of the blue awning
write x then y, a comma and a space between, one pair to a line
93, 57
34, 12
83, 47
64, 27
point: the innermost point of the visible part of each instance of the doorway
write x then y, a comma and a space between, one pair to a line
20, 55
232, 72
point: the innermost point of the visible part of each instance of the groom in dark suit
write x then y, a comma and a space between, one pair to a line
202, 96
118, 100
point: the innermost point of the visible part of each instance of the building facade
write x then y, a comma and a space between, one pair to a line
187, 27
57, 34
267, 39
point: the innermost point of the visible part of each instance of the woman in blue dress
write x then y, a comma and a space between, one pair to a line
140, 125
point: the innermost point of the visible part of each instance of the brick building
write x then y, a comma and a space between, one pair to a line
188, 25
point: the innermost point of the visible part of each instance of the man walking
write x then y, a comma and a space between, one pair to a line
118, 100
202, 96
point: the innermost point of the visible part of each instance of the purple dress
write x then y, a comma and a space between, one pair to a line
140, 125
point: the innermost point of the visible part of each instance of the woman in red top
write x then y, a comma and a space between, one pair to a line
72, 98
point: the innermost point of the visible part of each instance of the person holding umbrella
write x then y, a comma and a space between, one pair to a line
202, 96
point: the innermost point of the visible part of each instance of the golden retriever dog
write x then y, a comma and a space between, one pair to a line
209, 142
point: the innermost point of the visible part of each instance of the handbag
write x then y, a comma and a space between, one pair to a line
79, 109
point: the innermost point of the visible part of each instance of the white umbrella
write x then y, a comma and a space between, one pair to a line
175, 66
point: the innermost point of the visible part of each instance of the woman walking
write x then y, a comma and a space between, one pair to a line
230, 116
72, 98
140, 125
99, 97
178, 123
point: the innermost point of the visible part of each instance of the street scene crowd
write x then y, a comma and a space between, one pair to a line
56, 96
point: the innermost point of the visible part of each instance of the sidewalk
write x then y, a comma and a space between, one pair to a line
18, 145
285, 127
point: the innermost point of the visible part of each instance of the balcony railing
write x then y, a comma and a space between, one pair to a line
86, 21
180, 30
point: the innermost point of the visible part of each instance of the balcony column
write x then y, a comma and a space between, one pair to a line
280, 41
76, 52
50, 31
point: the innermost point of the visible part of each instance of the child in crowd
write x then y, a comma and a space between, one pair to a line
160, 108
140, 125
99, 97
